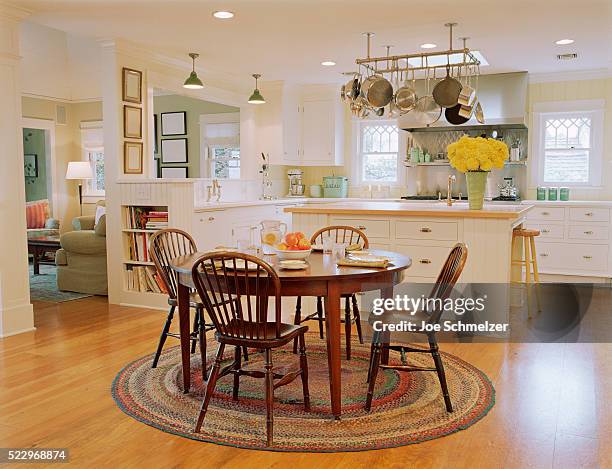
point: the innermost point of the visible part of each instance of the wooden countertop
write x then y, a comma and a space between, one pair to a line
435, 209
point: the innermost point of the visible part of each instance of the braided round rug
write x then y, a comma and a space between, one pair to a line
408, 408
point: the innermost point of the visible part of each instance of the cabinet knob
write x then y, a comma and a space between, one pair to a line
361, 227
425, 261
588, 232
545, 231
587, 257
425, 230
589, 214
211, 218
543, 254
545, 213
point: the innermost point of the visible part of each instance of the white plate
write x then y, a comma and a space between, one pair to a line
293, 264
317, 247
240, 265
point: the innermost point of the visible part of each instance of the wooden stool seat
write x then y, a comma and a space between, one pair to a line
526, 233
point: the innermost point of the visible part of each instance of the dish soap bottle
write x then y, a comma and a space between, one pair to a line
515, 151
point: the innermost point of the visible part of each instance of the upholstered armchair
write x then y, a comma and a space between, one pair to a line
81, 262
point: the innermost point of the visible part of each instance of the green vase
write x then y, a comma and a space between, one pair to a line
476, 184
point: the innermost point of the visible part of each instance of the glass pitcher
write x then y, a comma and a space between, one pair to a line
272, 233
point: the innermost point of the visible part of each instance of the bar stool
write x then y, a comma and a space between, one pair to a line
530, 262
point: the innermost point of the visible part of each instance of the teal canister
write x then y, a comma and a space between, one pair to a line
541, 193
552, 193
564, 194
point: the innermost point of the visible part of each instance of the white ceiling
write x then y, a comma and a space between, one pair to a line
287, 39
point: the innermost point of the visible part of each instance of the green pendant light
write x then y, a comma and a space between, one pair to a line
193, 82
256, 97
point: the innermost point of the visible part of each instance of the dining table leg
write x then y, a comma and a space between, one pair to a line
332, 329
385, 336
185, 333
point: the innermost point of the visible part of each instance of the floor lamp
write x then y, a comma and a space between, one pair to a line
79, 170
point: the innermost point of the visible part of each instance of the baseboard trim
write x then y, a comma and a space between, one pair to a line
23, 331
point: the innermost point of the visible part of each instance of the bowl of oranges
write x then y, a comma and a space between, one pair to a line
294, 246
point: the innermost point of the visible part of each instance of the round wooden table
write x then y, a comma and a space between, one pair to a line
322, 278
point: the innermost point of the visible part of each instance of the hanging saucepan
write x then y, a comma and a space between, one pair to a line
427, 111
446, 92
351, 89
453, 117
377, 91
405, 97
479, 113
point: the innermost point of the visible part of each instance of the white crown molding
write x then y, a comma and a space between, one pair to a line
574, 75
60, 99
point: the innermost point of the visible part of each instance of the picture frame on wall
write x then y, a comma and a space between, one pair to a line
132, 122
173, 123
174, 150
30, 165
155, 137
132, 85
132, 157
174, 172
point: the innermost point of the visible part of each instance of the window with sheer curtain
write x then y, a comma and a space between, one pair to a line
569, 146
378, 153
221, 141
92, 144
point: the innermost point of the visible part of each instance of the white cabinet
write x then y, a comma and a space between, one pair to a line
299, 126
322, 136
573, 240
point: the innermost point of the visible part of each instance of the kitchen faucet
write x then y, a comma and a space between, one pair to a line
214, 190
449, 199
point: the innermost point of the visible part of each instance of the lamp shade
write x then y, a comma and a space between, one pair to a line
193, 82
79, 170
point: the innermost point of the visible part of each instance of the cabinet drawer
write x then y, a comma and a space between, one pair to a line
546, 213
427, 261
435, 230
572, 257
589, 214
372, 228
548, 230
588, 232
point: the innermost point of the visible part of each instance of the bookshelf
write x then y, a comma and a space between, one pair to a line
139, 223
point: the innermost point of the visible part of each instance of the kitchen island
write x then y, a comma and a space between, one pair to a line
426, 232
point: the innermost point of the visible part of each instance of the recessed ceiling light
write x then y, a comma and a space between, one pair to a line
223, 15
564, 42
328, 63
428, 45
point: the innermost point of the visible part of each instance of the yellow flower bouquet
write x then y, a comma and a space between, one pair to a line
476, 156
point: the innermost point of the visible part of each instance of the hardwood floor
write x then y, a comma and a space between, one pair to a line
553, 402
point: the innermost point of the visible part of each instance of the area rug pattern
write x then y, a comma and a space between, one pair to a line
43, 287
408, 408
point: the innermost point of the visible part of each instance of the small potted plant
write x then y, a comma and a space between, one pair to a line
476, 156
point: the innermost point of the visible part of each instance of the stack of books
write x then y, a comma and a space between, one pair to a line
156, 220
144, 279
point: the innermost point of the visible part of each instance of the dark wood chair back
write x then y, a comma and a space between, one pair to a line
165, 245
235, 289
448, 277
341, 234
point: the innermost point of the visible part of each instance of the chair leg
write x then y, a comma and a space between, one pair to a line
210, 387
163, 336
237, 366
527, 275
357, 318
320, 316
196, 328
297, 320
304, 376
245, 352
433, 346
375, 340
347, 326
374, 364
202, 340
536, 274
269, 396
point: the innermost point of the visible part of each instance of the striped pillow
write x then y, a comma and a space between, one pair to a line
37, 213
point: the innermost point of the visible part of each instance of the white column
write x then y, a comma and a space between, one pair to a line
16, 313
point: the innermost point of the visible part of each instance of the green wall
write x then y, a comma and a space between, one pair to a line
34, 144
194, 108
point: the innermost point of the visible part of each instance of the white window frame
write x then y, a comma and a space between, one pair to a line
88, 191
592, 108
206, 144
357, 169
